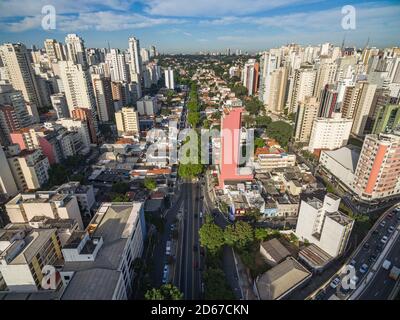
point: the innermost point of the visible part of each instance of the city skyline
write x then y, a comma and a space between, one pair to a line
178, 28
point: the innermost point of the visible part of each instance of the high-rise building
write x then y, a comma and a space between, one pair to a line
86, 115
326, 75
135, 62
118, 66
328, 104
59, 103
153, 51
268, 63
229, 164
145, 55
147, 106
127, 121
363, 108
388, 119
322, 224
277, 96
169, 79
378, 171
76, 52
307, 112
104, 99
250, 75
303, 86
8, 123
22, 77
29, 167
54, 50
78, 88
7, 184
329, 133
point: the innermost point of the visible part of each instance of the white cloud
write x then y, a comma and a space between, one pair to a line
100, 21
212, 8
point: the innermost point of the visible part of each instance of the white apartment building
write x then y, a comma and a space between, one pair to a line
29, 167
135, 60
59, 103
324, 225
127, 121
303, 86
99, 264
15, 57
76, 52
51, 204
78, 126
307, 112
103, 95
169, 79
330, 133
147, 106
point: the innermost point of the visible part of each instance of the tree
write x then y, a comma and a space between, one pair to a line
194, 119
253, 215
238, 235
211, 236
261, 234
150, 184
189, 170
120, 198
259, 143
166, 292
263, 121
58, 174
216, 285
120, 187
280, 131
254, 106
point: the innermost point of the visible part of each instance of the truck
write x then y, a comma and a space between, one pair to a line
394, 273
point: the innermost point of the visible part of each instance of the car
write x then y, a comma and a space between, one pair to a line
172, 227
375, 231
168, 248
383, 223
353, 263
390, 215
201, 214
335, 283
384, 239
320, 295
364, 268
391, 229
366, 246
379, 247
165, 274
195, 248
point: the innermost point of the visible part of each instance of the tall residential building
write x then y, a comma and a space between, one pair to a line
76, 52
79, 126
148, 106
378, 170
104, 99
169, 79
29, 167
277, 95
388, 119
325, 75
127, 121
363, 109
328, 102
268, 63
8, 123
24, 253
135, 62
303, 86
329, 133
22, 77
153, 51
115, 238
78, 88
118, 66
59, 103
7, 184
322, 224
229, 164
250, 75
86, 115
54, 50
145, 55
307, 112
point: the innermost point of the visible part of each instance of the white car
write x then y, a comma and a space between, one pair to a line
383, 223
335, 283
391, 229
165, 274
168, 249
384, 239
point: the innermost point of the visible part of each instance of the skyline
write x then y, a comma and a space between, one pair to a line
177, 28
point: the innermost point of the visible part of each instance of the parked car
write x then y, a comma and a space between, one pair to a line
366, 246
383, 223
335, 283
364, 268
384, 239
391, 229
353, 263
165, 274
168, 248
372, 258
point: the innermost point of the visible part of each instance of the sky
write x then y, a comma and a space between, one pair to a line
187, 26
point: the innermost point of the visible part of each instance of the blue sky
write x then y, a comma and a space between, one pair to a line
193, 25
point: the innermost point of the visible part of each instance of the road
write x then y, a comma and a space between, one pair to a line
370, 251
192, 262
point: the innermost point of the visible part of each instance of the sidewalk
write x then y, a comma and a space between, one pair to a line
245, 282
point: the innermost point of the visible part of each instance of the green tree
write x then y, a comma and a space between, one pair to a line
216, 285
280, 131
120, 187
263, 121
166, 292
254, 106
259, 143
120, 198
58, 174
150, 184
239, 235
211, 236
261, 234
194, 119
